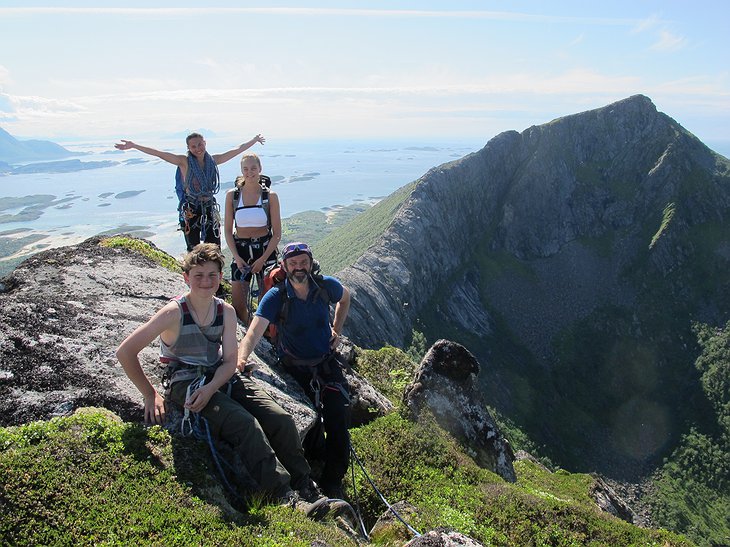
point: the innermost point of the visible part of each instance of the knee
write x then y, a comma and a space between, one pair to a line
235, 426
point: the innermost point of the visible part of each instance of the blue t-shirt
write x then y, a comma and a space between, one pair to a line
306, 332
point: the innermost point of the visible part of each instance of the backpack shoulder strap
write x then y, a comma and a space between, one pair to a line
322, 292
284, 309
265, 203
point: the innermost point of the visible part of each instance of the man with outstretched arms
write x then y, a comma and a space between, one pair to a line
197, 182
197, 334
306, 343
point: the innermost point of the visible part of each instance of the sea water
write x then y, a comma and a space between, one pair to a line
136, 193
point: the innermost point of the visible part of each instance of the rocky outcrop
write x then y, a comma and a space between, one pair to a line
443, 538
609, 501
391, 526
444, 385
65, 311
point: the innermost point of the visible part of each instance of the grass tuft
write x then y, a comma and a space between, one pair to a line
145, 249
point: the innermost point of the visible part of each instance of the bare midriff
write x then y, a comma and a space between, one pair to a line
252, 231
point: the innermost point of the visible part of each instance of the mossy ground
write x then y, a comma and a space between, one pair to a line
93, 479
145, 249
90, 479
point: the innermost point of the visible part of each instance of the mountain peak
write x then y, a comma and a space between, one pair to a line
574, 246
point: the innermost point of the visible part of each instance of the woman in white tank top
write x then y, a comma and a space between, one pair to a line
249, 237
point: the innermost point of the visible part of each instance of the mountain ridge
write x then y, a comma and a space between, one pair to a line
13, 150
574, 258
479, 210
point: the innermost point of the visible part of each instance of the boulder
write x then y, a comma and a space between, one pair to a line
445, 386
65, 311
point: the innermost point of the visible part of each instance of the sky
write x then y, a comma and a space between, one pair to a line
382, 69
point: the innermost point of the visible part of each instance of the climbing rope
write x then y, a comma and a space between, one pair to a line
354, 455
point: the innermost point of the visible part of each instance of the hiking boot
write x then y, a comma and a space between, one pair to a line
310, 492
317, 510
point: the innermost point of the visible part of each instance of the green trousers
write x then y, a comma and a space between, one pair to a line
262, 434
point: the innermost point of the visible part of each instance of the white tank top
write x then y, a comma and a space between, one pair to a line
250, 216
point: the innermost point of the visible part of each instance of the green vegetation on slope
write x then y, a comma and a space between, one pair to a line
389, 370
91, 479
343, 247
693, 486
313, 226
145, 249
422, 464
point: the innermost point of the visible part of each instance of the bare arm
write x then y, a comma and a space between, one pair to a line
253, 335
341, 309
175, 159
199, 399
165, 321
225, 156
228, 222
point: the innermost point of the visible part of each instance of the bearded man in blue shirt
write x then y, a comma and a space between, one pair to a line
299, 307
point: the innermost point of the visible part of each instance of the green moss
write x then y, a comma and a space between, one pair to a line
389, 369
422, 464
145, 249
91, 479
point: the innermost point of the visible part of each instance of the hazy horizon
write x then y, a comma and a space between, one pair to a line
291, 70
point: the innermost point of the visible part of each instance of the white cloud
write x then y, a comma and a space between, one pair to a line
4, 76
650, 23
669, 42
341, 12
25, 107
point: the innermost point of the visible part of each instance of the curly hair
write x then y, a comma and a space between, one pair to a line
202, 253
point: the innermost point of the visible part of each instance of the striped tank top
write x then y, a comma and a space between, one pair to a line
195, 346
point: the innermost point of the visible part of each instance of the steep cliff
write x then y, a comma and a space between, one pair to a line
571, 259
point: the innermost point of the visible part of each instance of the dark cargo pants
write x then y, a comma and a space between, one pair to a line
329, 439
261, 432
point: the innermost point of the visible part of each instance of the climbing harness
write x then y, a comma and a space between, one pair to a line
186, 428
200, 216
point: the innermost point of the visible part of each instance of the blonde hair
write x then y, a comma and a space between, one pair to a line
240, 180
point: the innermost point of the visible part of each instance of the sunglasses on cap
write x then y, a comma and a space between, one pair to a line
296, 248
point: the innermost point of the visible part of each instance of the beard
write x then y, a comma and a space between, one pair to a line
297, 276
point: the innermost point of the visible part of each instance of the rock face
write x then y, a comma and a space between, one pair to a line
65, 311
574, 257
536, 196
610, 502
444, 384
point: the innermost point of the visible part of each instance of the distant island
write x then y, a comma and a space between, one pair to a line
14, 151
64, 166
37, 156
